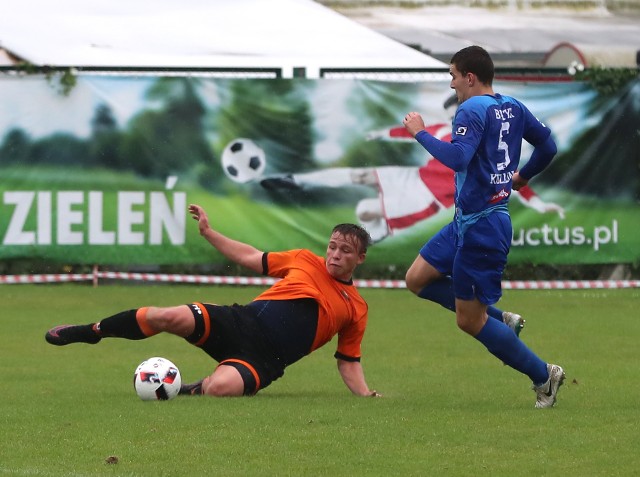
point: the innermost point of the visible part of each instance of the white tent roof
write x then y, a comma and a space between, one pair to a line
198, 34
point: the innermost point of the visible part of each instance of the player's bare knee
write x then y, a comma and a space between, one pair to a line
220, 388
465, 326
171, 320
420, 274
470, 324
413, 285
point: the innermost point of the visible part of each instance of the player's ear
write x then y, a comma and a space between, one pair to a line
471, 79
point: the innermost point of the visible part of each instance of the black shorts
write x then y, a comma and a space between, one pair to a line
232, 336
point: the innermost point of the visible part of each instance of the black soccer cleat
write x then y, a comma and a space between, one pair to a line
66, 334
286, 182
193, 389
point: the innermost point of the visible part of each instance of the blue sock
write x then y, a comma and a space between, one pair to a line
441, 292
503, 343
494, 312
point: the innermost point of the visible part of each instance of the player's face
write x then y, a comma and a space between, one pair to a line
460, 83
343, 256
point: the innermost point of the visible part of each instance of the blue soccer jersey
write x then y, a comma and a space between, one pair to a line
493, 127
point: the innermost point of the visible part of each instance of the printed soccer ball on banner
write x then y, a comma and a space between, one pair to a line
157, 379
243, 160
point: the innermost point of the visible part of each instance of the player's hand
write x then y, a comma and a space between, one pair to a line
518, 182
551, 207
413, 123
198, 213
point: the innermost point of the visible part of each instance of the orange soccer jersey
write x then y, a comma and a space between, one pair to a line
341, 309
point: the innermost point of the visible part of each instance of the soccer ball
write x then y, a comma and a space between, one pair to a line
157, 379
243, 160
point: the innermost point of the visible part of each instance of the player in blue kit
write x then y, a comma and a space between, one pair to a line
466, 259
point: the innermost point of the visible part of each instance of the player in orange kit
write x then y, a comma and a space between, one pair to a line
254, 343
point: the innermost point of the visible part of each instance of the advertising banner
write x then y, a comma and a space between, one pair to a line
103, 173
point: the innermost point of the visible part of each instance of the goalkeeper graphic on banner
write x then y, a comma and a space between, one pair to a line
406, 195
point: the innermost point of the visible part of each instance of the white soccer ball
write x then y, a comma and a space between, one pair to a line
157, 379
243, 160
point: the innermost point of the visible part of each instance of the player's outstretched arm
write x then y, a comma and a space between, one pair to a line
454, 156
353, 376
239, 252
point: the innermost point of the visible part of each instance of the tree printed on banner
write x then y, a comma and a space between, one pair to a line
599, 163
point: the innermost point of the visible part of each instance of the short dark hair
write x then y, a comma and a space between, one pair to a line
476, 60
353, 230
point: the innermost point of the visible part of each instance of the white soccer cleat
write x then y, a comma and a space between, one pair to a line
513, 321
546, 393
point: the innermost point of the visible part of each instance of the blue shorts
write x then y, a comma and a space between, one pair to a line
475, 266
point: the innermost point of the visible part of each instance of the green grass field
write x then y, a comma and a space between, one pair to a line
449, 408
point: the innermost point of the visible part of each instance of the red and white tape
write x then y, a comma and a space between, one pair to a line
569, 284
266, 281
